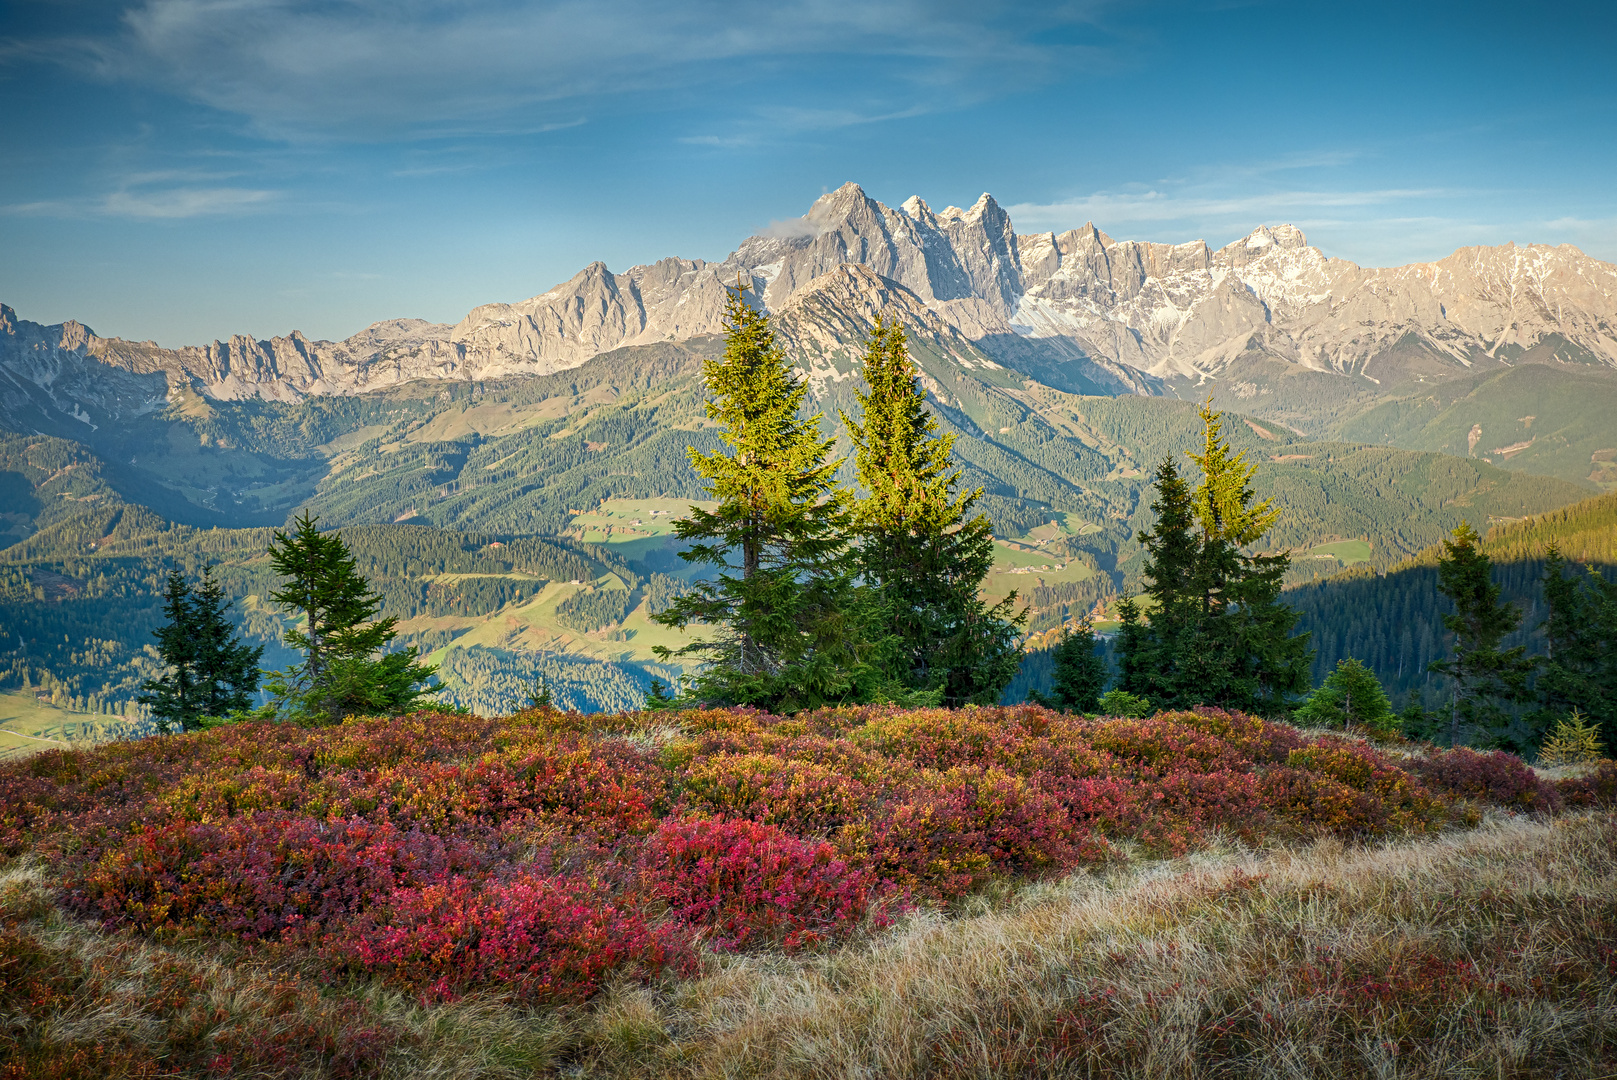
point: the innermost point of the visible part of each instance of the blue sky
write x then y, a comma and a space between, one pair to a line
182, 170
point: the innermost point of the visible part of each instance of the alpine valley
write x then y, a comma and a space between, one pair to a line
509, 482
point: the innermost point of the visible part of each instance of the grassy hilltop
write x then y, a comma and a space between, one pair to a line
989, 892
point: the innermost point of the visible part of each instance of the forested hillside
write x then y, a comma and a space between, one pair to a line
79, 601
1392, 620
1549, 419
424, 479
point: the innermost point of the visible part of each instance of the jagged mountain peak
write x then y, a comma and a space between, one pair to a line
1077, 302
824, 325
985, 206
1269, 236
838, 204
860, 290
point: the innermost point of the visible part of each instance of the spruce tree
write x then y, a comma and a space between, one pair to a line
341, 675
920, 545
1350, 696
172, 696
789, 628
1080, 672
1218, 634
1154, 657
1579, 668
211, 672
226, 666
1485, 677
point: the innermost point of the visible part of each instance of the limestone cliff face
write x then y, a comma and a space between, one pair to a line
1104, 315
1186, 311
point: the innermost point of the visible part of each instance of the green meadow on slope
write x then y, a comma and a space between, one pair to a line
1551, 420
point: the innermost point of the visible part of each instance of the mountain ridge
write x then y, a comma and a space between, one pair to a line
1108, 316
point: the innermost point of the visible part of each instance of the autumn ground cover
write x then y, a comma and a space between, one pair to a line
847, 892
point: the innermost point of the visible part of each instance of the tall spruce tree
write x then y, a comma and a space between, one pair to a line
341, 674
1485, 677
172, 696
1080, 672
790, 629
920, 545
1579, 668
1218, 634
211, 672
1153, 657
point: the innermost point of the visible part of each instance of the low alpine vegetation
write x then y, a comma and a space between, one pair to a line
535, 862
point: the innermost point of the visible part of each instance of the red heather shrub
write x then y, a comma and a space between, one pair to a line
1499, 778
1023, 740
607, 784
751, 884
1346, 787
1166, 741
943, 833
1306, 802
210, 797
804, 797
270, 876
540, 939
443, 850
379, 741
1258, 739
1595, 790
740, 721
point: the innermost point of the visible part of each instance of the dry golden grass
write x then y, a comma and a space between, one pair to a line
1483, 953
1231, 963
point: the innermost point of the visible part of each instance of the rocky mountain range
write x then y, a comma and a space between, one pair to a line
1078, 310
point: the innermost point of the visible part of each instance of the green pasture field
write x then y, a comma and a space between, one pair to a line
28, 725
634, 528
1019, 568
1069, 525
533, 627
1346, 552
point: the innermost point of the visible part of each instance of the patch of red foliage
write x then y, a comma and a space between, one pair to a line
1596, 790
1499, 778
542, 852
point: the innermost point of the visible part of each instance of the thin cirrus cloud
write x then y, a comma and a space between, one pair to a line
153, 204
371, 69
1156, 207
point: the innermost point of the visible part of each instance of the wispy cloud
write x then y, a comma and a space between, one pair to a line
793, 228
184, 202
1153, 207
719, 142
151, 204
382, 69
